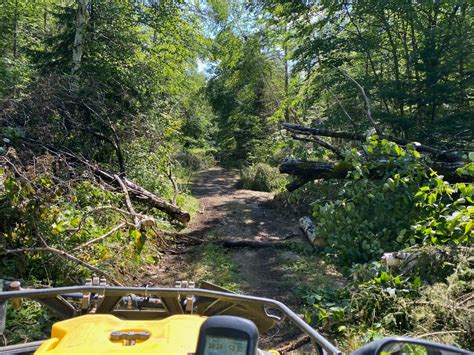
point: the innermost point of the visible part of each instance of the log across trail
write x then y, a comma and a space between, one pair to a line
252, 231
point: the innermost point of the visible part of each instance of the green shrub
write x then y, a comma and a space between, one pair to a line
261, 177
195, 159
405, 207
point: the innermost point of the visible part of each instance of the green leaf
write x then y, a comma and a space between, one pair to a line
135, 234
417, 282
341, 328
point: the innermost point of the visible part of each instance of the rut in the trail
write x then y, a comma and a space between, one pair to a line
230, 213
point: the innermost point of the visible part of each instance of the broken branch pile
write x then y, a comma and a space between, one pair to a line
445, 163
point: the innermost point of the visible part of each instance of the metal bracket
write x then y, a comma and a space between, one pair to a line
129, 338
86, 298
189, 301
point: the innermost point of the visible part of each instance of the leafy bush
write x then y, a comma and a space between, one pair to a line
32, 321
261, 177
196, 159
404, 207
38, 209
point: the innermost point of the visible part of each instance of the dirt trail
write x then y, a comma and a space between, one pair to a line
244, 214
230, 213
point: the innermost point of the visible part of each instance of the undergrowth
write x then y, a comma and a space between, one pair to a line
261, 177
408, 209
50, 204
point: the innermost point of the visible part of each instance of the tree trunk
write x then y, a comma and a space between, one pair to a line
307, 171
82, 16
287, 109
396, 65
438, 154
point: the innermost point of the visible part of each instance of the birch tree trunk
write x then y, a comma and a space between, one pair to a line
82, 16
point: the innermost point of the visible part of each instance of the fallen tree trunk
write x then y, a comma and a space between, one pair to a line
309, 229
138, 192
174, 211
309, 131
306, 171
233, 243
135, 191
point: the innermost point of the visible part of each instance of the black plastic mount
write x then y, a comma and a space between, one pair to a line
240, 330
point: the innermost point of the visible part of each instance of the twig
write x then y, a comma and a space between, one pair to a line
128, 202
159, 233
7, 161
467, 299
103, 236
440, 333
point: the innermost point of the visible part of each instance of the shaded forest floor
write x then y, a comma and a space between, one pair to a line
230, 213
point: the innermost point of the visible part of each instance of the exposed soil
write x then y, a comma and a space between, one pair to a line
231, 213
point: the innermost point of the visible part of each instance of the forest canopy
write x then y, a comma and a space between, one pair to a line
358, 114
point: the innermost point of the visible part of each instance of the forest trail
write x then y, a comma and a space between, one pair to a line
231, 213
236, 214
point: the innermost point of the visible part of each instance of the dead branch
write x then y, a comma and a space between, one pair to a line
366, 99
343, 108
246, 243
309, 131
124, 213
175, 187
295, 344
321, 143
103, 236
440, 333
232, 243
128, 203
135, 191
159, 234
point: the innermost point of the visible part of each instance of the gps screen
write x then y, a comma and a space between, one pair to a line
225, 346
